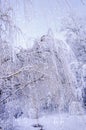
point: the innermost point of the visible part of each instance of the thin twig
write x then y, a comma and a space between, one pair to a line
24, 86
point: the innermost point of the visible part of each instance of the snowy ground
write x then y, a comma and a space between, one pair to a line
53, 122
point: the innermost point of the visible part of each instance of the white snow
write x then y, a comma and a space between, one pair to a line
53, 122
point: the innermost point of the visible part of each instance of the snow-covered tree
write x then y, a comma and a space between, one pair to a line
75, 30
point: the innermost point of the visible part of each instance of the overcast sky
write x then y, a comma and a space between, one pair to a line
44, 14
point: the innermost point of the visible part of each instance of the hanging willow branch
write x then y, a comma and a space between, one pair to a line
68, 4
82, 1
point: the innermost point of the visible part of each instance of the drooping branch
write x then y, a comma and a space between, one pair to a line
82, 1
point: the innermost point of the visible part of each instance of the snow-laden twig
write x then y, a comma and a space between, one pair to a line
24, 86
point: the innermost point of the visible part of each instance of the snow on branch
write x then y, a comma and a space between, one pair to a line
24, 86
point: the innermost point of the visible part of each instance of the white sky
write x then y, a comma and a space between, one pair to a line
42, 15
